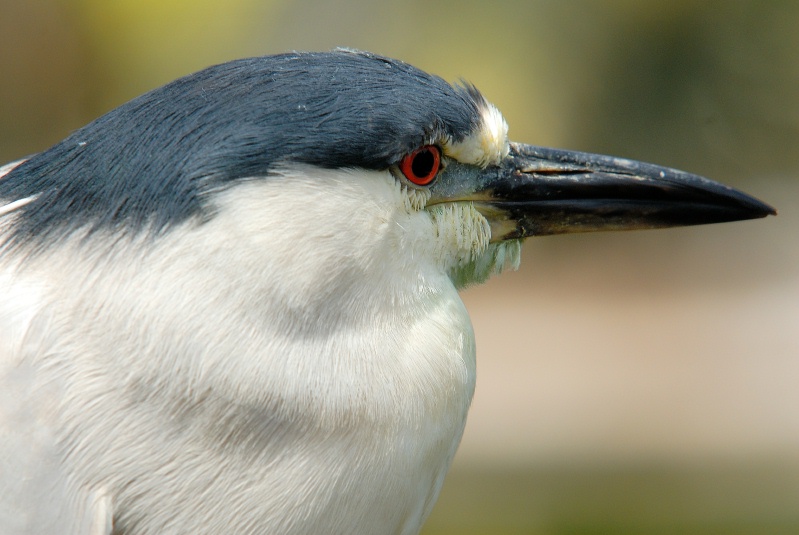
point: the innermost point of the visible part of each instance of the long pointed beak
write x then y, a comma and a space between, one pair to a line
538, 191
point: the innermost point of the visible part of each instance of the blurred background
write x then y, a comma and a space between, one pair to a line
627, 383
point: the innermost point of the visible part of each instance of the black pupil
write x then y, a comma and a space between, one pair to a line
423, 163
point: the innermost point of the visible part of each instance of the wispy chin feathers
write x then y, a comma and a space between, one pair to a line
465, 248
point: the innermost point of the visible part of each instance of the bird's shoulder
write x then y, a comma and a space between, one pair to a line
37, 496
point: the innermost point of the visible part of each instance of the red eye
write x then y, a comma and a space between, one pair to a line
422, 165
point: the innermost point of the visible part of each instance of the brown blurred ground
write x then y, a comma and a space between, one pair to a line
654, 372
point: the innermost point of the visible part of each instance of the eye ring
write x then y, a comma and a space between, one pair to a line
422, 165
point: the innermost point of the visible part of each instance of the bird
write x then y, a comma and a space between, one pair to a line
231, 304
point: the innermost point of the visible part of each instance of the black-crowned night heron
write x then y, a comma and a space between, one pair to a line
231, 305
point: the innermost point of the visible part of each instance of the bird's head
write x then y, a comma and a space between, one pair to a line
356, 156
